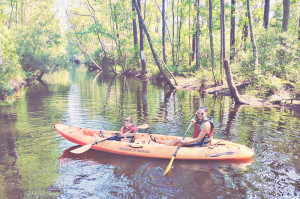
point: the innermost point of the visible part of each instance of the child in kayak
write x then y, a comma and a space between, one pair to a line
128, 131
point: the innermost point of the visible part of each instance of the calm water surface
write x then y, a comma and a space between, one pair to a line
35, 161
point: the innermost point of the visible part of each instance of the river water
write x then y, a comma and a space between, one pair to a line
36, 162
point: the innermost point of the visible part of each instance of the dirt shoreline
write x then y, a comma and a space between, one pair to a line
278, 100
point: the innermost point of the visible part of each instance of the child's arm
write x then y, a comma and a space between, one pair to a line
121, 133
131, 132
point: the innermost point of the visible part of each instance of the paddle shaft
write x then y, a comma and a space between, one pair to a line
173, 157
183, 138
105, 139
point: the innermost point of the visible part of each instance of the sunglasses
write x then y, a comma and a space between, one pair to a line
200, 113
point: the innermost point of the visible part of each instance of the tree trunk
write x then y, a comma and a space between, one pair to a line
190, 59
233, 90
22, 12
245, 35
163, 32
152, 48
173, 33
213, 65
12, 11
299, 30
232, 31
179, 37
198, 35
254, 47
1, 57
286, 14
39, 77
142, 50
194, 46
266, 13
222, 32
135, 36
16, 16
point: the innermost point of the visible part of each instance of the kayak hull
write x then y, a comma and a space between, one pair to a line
143, 146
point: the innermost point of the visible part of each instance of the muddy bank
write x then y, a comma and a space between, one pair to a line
280, 98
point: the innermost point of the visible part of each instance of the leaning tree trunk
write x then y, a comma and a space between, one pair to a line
143, 55
213, 65
286, 14
152, 48
254, 47
163, 32
93, 15
232, 31
233, 90
81, 45
266, 13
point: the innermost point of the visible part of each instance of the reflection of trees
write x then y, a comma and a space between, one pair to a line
95, 78
231, 118
212, 112
124, 89
163, 109
108, 94
145, 102
9, 157
222, 99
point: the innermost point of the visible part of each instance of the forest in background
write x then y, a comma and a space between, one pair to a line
257, 40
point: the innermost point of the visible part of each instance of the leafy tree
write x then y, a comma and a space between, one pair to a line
39, 42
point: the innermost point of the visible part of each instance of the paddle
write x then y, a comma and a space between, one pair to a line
171, 162
114, 137
88, 146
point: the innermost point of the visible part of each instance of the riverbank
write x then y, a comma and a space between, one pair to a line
285, 97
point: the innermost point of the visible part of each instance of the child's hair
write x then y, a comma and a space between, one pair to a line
129, 119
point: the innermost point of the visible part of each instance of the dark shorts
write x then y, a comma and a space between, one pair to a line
195, 144
198, 144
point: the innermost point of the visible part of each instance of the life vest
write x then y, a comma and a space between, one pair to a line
132, 129
198, 127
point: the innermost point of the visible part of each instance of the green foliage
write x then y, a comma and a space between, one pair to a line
39, 41
29, 46
38, 45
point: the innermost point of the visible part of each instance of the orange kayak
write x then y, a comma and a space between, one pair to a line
143, 146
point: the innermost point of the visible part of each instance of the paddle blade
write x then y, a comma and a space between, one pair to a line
82, 149
144, 126
169, 166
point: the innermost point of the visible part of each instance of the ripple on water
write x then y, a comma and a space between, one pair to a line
149, 180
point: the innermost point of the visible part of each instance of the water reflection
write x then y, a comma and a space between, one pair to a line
9, 165
35, 161
146, 175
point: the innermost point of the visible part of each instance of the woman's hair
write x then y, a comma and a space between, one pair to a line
129, 119
204, 108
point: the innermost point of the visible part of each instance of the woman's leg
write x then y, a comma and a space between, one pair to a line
173, 142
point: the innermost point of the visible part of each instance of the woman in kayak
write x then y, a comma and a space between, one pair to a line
203, 130
128, 131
